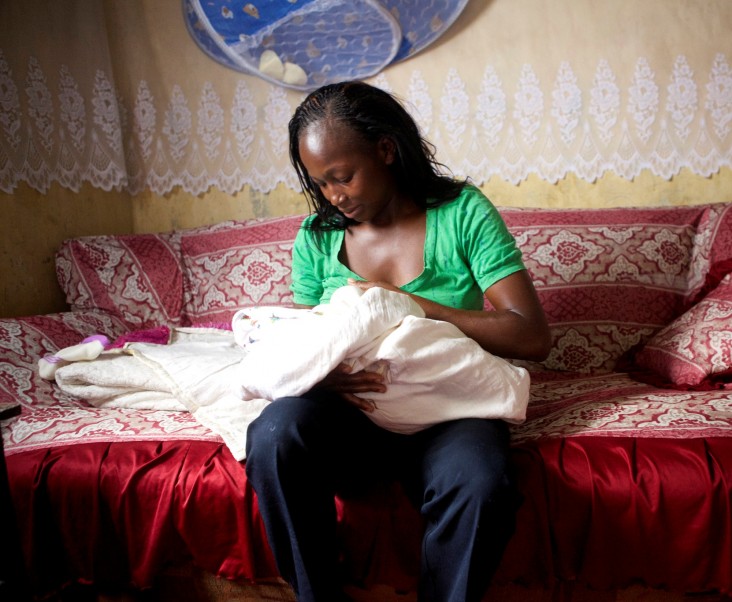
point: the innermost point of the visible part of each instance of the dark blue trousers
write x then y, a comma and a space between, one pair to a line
302, 451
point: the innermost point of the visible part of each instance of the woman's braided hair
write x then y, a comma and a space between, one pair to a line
371, 114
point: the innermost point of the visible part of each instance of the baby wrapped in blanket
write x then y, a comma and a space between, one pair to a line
433, 371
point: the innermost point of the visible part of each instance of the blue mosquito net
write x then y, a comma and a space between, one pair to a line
304, 44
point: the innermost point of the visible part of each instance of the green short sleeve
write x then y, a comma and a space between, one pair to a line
308, 261
489, 247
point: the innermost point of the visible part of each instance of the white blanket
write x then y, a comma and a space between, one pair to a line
434, 372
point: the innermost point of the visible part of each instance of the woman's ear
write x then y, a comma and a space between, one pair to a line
387, 149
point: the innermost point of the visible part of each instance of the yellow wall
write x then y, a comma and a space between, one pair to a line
611, 191
180, 210
34, 224
153, 213
32, 227
503, 33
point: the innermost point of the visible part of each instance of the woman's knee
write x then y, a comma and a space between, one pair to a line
279, 424
311, 424
479, 486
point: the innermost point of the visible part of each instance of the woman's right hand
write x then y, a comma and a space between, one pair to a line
346, 384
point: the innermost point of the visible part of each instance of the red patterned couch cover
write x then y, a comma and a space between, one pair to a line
627, 478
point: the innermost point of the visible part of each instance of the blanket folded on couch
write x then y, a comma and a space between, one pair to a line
434, 372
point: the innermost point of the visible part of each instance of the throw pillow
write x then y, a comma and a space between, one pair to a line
695, 350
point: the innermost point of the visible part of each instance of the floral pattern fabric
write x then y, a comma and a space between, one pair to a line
237, 264
609, 279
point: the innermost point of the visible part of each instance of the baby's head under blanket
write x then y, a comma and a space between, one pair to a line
252, 324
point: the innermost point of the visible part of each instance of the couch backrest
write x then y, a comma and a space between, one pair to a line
608, 278
193, 276
237, 264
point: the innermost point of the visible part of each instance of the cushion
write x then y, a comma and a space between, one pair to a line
695, 350
138, 278
237, 264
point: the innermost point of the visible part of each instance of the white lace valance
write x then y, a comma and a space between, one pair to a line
84, 109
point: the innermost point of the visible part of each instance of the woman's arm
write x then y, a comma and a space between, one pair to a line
516, 328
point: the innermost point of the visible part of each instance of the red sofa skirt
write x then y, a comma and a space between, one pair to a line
606, 512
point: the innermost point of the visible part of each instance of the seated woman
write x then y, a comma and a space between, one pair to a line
387, 215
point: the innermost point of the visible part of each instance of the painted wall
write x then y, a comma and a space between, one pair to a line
33, 224
180, 210
31, 229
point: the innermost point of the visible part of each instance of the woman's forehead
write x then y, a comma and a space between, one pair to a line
328, 136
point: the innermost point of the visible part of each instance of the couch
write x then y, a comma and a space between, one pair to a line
624, 461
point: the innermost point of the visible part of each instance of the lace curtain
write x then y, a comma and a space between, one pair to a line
119, 96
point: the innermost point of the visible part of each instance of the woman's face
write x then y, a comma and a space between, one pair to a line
352, 174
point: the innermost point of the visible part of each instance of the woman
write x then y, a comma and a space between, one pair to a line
386, 214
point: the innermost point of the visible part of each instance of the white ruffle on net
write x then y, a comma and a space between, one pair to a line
481, 128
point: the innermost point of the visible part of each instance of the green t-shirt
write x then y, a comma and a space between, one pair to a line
467, 248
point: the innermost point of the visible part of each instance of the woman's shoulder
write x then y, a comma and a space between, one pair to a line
470, 201
313, 236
